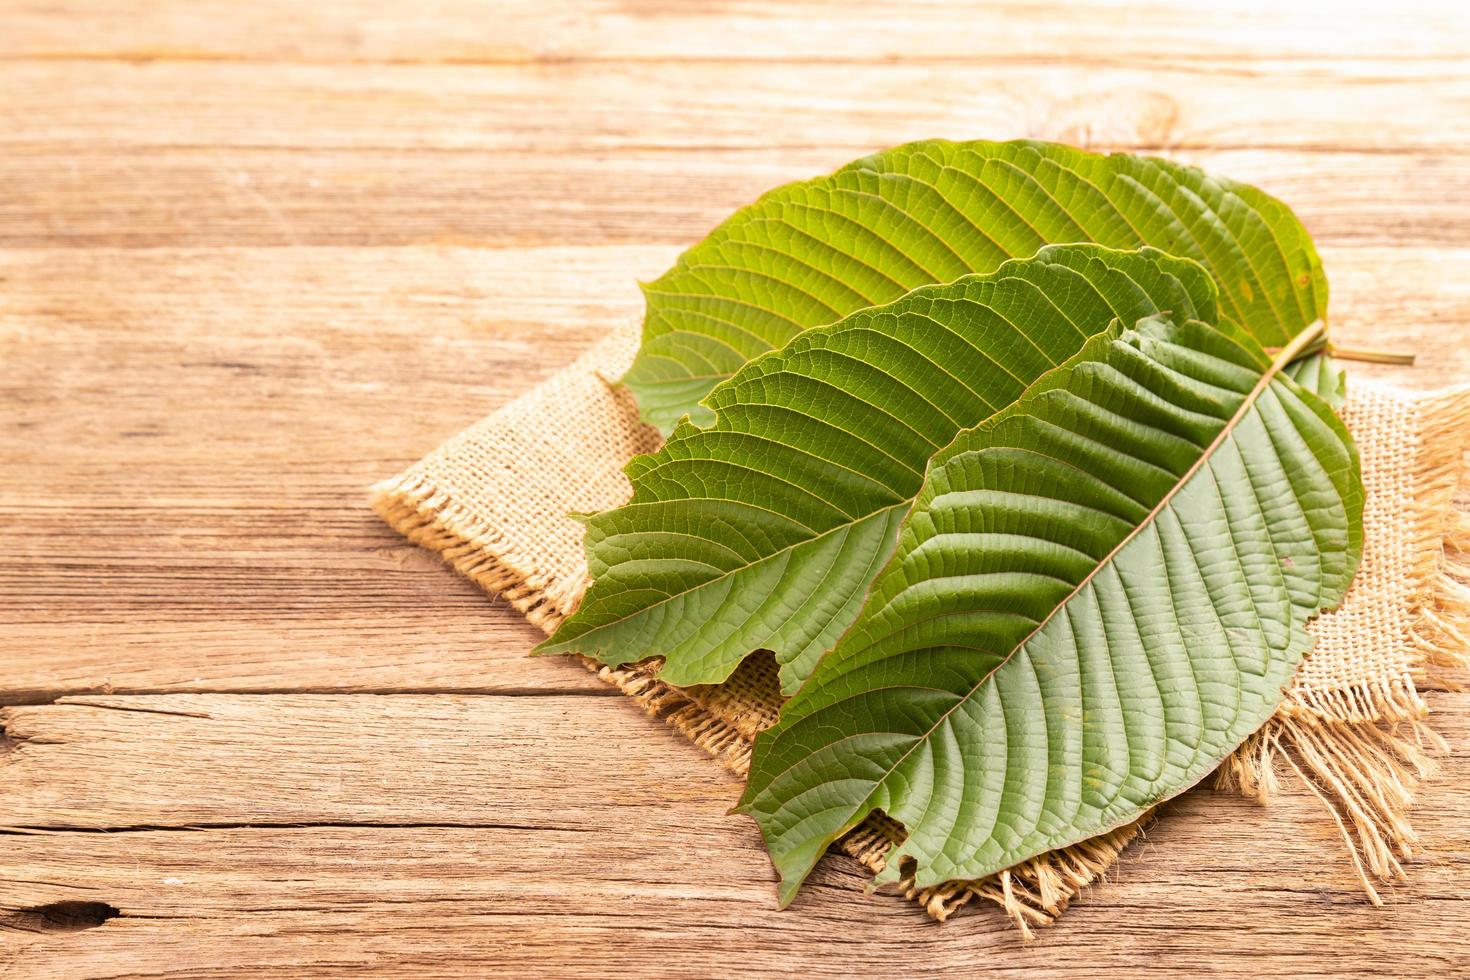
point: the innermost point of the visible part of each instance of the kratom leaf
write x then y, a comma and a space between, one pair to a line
764, 530
1098, 594
1320, 376
810, 253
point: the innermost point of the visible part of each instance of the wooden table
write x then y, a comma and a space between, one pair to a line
254, 257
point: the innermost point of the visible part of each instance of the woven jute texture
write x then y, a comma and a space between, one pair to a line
494, 500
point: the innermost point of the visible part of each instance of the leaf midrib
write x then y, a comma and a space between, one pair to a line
1288, 354
816, 536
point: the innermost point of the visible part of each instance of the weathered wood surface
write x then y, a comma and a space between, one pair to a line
194, 519
226, 197
254, 257
808, 31
411, 833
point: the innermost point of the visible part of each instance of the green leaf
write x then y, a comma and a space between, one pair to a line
764, 530
1320, 376
810, 253
1098, 594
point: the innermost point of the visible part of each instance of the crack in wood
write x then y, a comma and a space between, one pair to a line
64, 916
39, 829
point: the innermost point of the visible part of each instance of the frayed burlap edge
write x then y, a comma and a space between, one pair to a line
1361, 751
428, 517
1032, 893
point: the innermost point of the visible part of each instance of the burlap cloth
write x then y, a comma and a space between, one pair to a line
493, 501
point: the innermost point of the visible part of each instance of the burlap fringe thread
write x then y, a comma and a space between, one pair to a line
1361, 751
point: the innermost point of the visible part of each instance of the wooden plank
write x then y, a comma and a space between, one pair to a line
89, 195
862, 31
188, 445
568, 836
1400, 106
389, 327
191, 424
557, 761
195, 518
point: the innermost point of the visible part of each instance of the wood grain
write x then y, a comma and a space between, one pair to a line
255, 257
729, 105
858, 31
227, 197
194, 519
416, 857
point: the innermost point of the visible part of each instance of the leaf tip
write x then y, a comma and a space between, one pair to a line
787, 889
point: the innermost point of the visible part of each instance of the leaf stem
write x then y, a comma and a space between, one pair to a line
1365, 355
1303, 343
1371, 356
